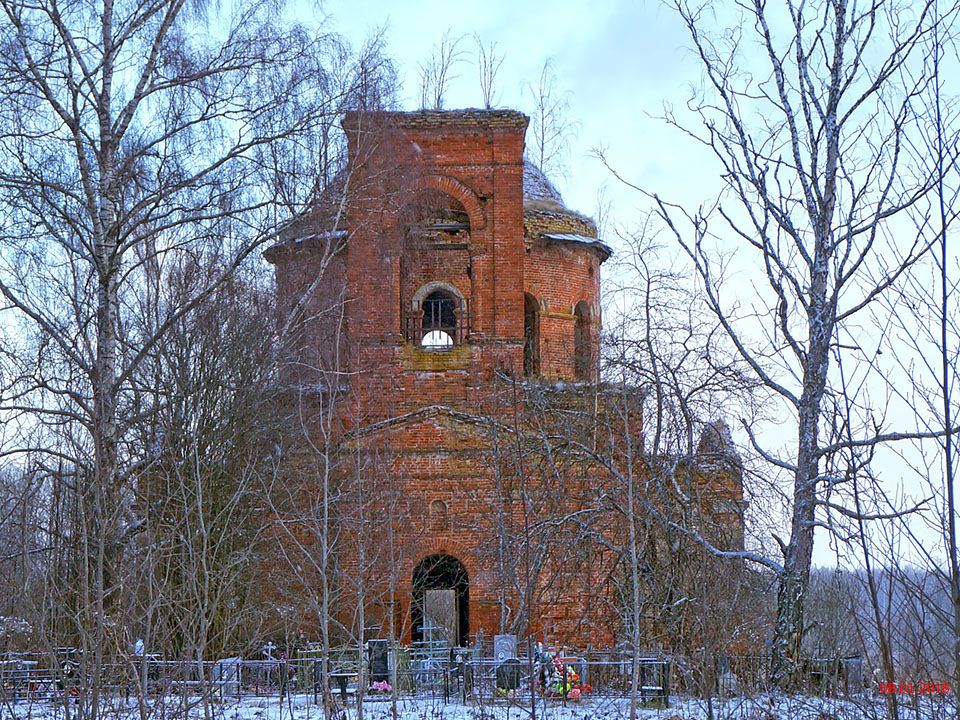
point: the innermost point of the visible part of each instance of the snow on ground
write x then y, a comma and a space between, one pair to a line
868, 707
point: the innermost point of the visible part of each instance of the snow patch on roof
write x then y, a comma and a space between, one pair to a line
582, 240
536, 186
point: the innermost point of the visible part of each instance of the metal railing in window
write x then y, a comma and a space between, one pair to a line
439, 322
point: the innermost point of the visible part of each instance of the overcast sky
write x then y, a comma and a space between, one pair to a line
618, 60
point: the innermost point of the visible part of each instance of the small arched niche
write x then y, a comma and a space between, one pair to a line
438, 510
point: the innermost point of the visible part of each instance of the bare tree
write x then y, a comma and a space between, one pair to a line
668, 364
922, 339
188, 593
811, 190
331, 491
129, 139
488, 63
550, 124
210, 445
436, 73
594, 508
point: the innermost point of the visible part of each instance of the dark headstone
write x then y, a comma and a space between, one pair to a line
379, 661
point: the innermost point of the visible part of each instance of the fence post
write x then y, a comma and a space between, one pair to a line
667, 681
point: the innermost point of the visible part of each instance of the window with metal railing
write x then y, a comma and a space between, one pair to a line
437, 322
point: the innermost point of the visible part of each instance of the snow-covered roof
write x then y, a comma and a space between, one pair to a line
605, 249
304, 241
536, 186
335, 235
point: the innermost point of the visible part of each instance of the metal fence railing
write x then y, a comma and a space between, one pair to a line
468, 675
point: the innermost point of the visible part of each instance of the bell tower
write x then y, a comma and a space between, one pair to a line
435, 258
438, 265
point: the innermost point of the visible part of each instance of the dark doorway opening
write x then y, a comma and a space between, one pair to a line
440, 607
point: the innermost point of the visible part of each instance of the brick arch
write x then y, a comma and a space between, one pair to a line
420, 295
587, 310
461, 192
440, 546
469, 616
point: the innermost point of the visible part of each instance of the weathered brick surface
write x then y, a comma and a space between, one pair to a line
430, 464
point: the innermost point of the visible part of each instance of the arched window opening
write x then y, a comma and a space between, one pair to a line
436, 217
583, 358
437, 319
440, 609
531, 336
439, 322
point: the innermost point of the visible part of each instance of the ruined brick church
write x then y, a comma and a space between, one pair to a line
444, 310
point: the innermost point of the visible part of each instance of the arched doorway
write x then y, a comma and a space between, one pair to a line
440, 607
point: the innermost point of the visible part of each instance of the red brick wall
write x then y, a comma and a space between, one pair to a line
411, 468
559, 275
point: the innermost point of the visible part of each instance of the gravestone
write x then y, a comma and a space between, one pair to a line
504, 647
379, 661
508, 674
226, 676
